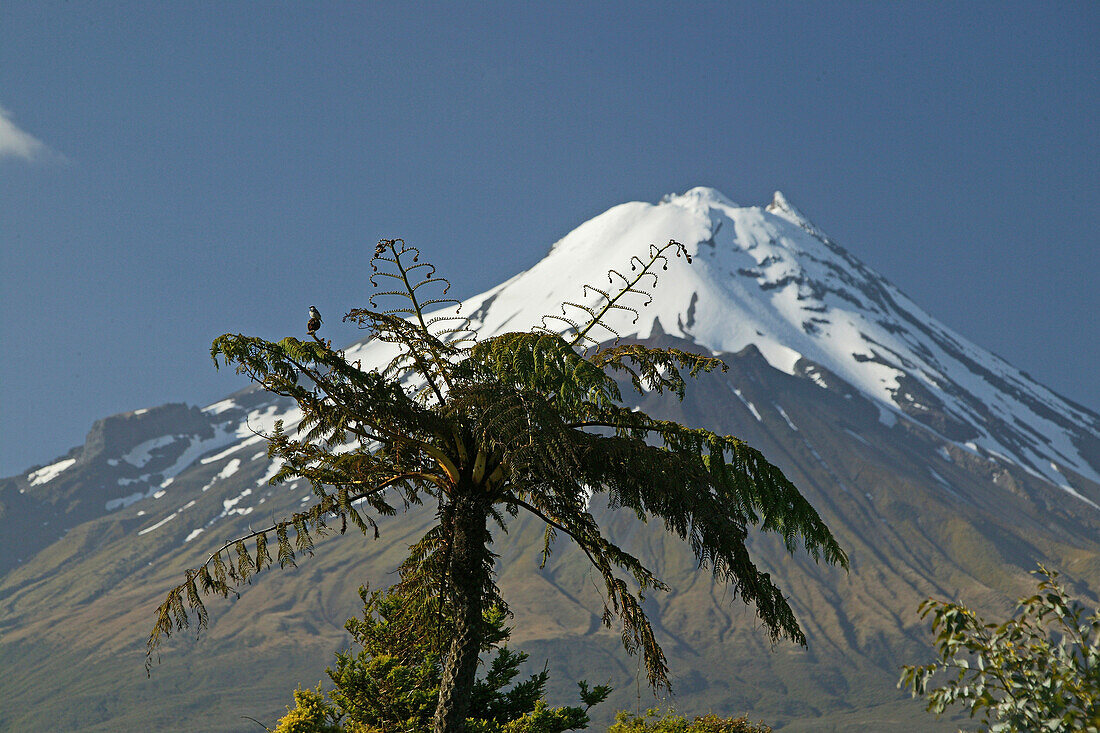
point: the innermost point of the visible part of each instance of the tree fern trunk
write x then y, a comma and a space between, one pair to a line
467, 579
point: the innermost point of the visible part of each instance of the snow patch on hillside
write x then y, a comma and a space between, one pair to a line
750, 406
50, 472
159, 524
142, 453
229, 506
786, 418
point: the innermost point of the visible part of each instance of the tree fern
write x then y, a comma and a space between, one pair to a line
485, 430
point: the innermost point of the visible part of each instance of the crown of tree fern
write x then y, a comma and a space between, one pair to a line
489, 428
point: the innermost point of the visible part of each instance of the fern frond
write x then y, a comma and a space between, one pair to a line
286, 553
594, 320
608, 302
656, 255
547, 364
563, 318
655, 370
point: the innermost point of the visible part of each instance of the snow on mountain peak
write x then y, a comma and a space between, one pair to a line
704, 194
767, 277
780, 206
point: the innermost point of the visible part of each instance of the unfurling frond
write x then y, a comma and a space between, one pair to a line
605, 303
428, 352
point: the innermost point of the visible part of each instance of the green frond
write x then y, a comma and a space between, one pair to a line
655, 370
221, 574
546, 364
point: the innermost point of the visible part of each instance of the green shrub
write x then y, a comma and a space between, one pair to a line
391, 684
1039, 671
310, 714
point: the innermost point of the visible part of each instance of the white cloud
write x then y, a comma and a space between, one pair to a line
16, 143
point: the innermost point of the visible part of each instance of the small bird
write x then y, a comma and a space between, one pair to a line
314, 320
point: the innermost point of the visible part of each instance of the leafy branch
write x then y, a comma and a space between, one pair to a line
1039, 670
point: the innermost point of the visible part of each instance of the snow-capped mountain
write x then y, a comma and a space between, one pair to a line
766, 276
761, 276
941, 469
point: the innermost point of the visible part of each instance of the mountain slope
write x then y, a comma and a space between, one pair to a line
942, 470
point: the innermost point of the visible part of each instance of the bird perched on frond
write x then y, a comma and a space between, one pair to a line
314, 320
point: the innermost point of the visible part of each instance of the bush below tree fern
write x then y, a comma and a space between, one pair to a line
390, 685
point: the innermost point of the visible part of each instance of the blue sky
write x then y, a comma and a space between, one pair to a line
173, 171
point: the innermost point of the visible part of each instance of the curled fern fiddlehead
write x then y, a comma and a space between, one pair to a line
430, 343
608, 303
